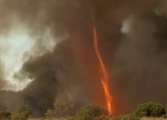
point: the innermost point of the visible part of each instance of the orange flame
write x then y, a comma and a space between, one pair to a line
103, 71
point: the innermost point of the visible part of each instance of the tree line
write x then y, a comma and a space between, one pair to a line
61, 110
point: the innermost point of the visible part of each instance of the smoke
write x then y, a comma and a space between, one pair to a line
61, 63
139, 62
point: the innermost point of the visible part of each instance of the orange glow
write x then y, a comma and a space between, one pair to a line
103, 72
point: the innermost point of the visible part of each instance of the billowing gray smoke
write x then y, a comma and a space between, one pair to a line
132, 37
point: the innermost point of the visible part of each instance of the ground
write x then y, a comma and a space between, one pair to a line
144, 118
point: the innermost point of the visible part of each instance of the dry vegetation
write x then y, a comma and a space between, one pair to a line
61, 111
153, 118
143, 118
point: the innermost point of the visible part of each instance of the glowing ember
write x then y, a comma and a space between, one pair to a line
103, 71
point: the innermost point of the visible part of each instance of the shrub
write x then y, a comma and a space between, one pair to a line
91, 113
150, 109
62, 108
22, 114
49, 115
130, 117
5, 116
125, 117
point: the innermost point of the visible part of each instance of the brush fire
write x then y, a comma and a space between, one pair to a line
60, 61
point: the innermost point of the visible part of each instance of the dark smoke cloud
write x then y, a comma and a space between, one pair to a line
135, 60
140, 61
56, 75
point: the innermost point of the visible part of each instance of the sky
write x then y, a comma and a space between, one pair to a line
46, 52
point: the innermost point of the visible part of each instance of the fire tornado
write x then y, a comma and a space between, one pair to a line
103, 72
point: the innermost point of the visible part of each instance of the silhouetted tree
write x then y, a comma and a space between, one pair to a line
150, 109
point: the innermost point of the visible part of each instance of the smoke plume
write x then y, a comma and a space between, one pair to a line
62, 63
